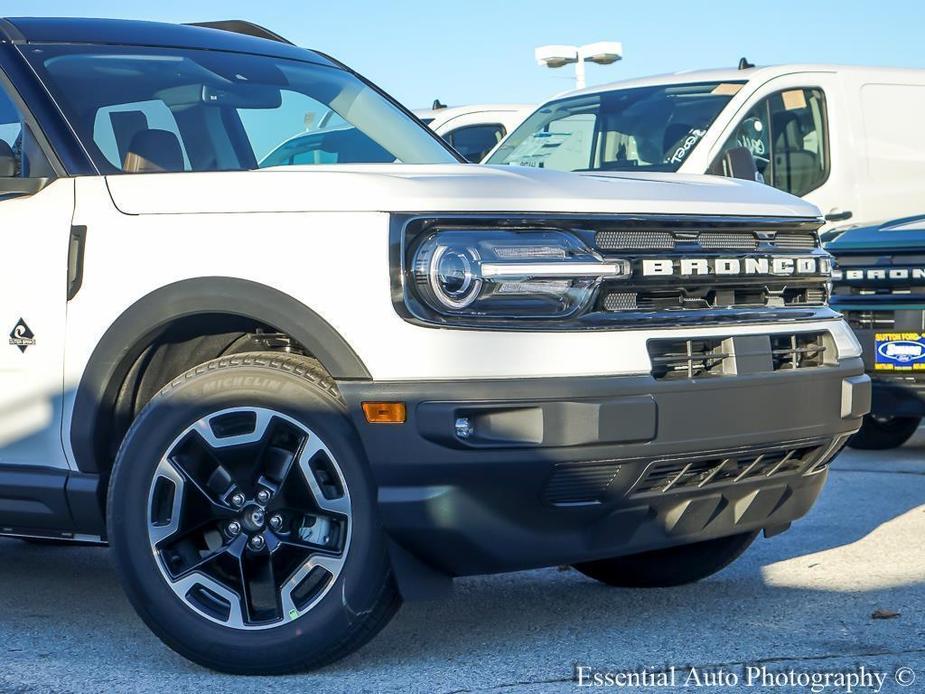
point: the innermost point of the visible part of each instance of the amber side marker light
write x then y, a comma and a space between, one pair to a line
384, 412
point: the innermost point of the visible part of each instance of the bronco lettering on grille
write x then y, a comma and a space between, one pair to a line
896, 273
751, 266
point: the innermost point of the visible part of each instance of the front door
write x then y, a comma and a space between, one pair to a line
789, 128
34, 238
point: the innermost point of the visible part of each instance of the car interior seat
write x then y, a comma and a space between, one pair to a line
153, 151
795, 167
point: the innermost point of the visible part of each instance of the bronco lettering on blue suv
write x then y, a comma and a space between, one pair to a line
290, 396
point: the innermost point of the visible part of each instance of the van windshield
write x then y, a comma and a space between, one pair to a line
139, 110
651, 128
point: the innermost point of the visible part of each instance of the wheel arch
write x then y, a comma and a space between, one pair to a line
138, 327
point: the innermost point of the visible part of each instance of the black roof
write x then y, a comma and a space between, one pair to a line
140, 33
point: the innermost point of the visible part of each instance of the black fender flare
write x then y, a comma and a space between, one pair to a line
130, 333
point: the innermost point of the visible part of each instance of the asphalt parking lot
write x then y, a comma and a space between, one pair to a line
802, 601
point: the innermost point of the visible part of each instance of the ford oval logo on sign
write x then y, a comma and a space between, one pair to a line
902, 351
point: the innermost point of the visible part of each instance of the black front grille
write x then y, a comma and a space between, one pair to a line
701, 286
719, 239
633, 240
710, 297
643, 239
795, 241
683, 474
621, 301
871, 320
704, 358
814, 295
854, 290
680, 271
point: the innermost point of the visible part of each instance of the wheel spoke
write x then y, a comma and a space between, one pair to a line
201, 496
220, 564
340, 505
204, 428
235, 617
164, 528
330, 564
261, 595
193, 508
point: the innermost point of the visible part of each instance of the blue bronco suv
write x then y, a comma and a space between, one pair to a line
879, 286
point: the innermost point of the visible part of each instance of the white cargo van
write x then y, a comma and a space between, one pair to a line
838, 136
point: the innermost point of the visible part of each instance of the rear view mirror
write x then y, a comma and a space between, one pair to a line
243, 96
737, 162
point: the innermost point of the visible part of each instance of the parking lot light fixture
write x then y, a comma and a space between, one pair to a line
558, 55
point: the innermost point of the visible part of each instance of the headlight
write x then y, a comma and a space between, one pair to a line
507, 273
846, 343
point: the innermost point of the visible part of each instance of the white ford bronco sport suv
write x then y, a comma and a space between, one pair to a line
288, 398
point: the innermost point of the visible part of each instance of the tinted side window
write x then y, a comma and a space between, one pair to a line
475, 141
786, 134
20, 155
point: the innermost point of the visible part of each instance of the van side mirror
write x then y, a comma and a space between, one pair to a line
736, 162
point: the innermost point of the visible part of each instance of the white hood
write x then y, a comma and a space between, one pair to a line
446, 188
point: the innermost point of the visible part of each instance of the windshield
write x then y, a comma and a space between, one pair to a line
652, 128
140, 110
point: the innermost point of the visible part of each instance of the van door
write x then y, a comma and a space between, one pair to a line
894, 177
792, 127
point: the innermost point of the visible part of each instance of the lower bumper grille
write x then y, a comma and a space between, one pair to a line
672, 359
798, 351
580, 483
687, 358
685, 474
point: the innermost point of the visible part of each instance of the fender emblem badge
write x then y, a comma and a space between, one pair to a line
21, 336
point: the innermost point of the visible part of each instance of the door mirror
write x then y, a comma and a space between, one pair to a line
14, 186
7, 160
737, 162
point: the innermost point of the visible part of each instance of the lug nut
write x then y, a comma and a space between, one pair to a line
464, 428
237, 499
233, 528
276, 521
263, 496
257, 542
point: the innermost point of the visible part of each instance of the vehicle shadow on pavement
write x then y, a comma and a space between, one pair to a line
808, 593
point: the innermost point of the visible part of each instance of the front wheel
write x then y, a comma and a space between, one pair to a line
242, 519
673, 566
882, 433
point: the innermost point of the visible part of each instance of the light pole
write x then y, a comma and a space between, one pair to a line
602, 53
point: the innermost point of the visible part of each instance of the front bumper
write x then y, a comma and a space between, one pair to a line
563, 470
